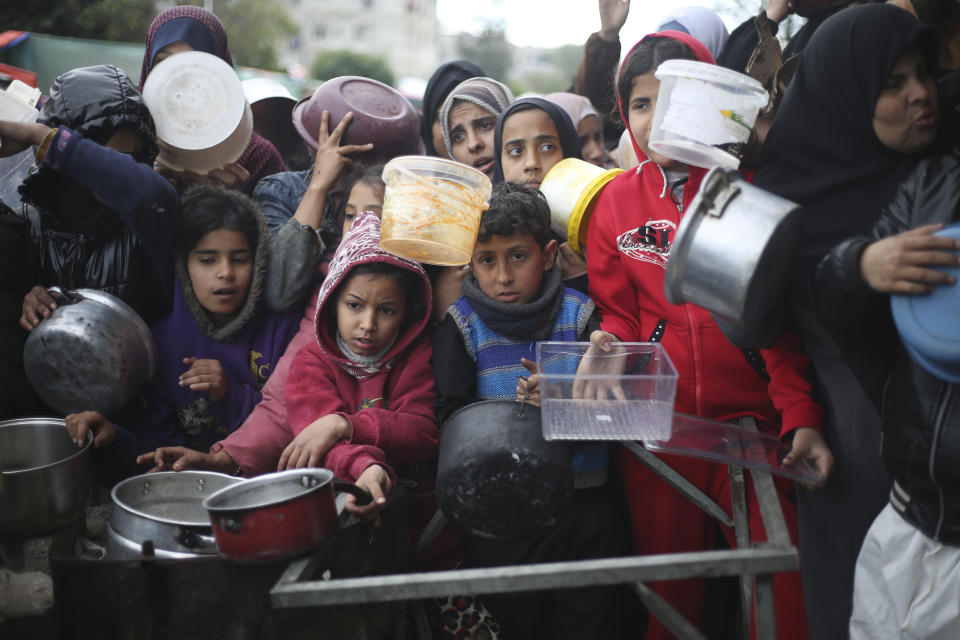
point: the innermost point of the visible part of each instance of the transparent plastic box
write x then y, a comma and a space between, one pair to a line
624, 394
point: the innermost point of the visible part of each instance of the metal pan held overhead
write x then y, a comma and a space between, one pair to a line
733, 249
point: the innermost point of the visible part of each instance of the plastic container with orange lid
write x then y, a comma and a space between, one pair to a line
571, 188
432, 209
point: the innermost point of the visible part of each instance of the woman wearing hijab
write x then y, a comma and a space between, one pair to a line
531, 136
700, 22
860, 113
588, 124
468, 117
443, 80
190, 28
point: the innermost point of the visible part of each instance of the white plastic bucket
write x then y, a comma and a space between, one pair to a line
571, 187
704, 113
203, 119
432, 209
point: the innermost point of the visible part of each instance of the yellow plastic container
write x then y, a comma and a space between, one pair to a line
432, 209
571, 188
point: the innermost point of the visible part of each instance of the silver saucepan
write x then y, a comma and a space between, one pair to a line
165, 508
45, 478
733, 249
93, 353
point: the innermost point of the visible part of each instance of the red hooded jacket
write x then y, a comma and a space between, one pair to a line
631, 234
390, 406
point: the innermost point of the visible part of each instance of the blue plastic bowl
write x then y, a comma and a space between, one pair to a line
929, 325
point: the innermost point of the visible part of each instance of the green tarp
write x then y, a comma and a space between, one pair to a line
49, 56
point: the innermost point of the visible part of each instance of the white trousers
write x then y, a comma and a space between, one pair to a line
907, 586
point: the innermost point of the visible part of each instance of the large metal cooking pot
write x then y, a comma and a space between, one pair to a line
278, 514
167, 509
93, 353
733, 249
497, 477
45, 479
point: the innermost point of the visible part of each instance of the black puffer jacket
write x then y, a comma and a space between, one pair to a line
921, 413
98, 218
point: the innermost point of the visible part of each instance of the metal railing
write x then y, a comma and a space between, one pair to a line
754, 563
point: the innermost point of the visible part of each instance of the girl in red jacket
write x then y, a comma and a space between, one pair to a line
631, 233
362, 393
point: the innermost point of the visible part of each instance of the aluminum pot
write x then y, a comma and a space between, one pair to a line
45, 479
93, 353
497, 477
165, 508
733, 249
277, 515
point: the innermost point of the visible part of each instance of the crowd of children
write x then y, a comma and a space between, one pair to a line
287, 337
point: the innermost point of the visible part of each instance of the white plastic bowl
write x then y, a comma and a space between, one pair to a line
203, 119
704, 113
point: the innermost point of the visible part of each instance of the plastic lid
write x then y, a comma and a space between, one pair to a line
929, 325
196, 100
708, 72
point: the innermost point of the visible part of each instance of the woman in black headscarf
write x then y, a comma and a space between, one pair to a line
533, 142
867, 69
443, 80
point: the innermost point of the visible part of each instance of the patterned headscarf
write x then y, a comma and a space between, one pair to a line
190, 24
488, 94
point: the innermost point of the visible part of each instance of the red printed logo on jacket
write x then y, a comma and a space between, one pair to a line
649, 243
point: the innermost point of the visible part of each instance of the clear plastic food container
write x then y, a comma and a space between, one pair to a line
624, 394
432, 209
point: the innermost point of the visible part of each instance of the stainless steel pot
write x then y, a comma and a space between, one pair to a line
733, 249
93, 353
165, 508
45, 479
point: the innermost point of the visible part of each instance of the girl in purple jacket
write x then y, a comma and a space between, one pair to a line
214, 351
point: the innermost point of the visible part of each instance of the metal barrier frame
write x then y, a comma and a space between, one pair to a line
755, 563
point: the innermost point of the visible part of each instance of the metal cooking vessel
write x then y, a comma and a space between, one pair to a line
279, 514
733, 249
167, 509
93, 353
496, 475
45, 479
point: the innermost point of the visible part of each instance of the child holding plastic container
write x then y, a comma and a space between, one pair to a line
631, 234
217, 347
512, 298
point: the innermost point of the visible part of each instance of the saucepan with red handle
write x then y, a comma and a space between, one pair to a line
277, 515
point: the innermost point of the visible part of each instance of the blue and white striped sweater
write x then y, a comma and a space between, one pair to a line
498, 367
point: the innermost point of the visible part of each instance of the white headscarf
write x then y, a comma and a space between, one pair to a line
700, 22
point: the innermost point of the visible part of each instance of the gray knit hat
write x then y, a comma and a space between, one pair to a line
488, 94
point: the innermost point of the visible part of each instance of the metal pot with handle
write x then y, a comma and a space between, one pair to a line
45, 479
497, 477
93, 353
277, 515
733, 249
165, 508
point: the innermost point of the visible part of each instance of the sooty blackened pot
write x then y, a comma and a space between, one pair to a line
497, 477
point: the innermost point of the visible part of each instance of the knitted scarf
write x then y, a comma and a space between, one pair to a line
531, 321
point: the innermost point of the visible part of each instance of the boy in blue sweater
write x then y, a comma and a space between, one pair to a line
486, 343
